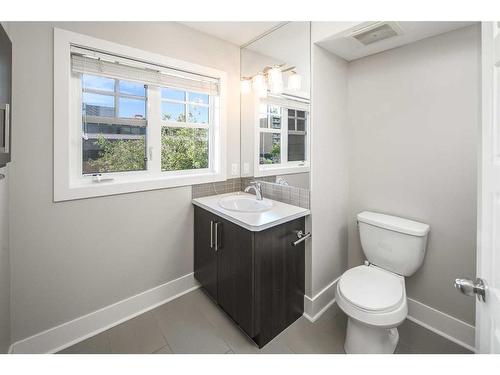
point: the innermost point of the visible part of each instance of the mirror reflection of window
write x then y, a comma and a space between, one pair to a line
282, 128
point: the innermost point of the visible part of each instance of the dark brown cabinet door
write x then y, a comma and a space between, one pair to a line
279, 279
5, 96
257, 278
235, 273
205, 256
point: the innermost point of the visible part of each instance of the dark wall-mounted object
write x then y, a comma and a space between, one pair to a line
5, 97
257, 278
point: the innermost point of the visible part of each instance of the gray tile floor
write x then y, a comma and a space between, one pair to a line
194, 324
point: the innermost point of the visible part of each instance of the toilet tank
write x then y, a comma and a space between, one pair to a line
393, 243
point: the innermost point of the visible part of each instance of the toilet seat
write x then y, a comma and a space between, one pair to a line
358, 292
371, 288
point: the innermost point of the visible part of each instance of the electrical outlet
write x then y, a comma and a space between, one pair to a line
234, 169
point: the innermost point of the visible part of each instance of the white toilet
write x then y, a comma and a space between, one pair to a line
373, 295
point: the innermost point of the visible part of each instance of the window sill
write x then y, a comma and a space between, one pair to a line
262, 171
88, 189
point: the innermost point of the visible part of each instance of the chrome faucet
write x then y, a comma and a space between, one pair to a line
257, 187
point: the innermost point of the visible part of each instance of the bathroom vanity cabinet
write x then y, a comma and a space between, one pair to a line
256, 277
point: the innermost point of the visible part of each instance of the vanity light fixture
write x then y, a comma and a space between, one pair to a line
275, 79
271, 78
259, 84
294, 81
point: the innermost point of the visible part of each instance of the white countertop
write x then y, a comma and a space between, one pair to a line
253, 221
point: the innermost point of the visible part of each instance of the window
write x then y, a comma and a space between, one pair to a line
113, 125
185, 121
130, 120
296, 135
282, 138
270, 135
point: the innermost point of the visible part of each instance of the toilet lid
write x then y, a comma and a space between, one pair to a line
371, 288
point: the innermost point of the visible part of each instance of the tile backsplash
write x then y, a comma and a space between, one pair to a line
204, 190
282, 193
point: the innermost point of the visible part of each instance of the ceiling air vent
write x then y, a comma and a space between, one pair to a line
377, 32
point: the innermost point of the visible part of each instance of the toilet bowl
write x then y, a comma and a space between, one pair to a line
373, 295
375, 302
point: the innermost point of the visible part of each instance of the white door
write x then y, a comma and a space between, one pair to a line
488, 253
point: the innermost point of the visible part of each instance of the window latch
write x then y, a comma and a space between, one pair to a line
97, 178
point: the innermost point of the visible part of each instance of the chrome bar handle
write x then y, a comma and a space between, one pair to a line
216, 235
301, 237
211, 234
7, 128
6, 134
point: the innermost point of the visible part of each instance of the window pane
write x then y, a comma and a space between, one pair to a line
184, 148
94, 129
113, 148
296, 147
195, 97
198, 114
132, 108
263, 121
132, 88
173, 112
98, 105
291, 113
270, 148
98, 83
167, 93
291, 123
275, 122
301, 125
301, 114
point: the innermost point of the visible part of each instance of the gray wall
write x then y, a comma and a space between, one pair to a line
329, 168
4, 264
414, 125
71, 258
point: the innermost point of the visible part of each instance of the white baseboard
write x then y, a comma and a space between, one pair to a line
74, 331
445, 325
79, 329
315, 307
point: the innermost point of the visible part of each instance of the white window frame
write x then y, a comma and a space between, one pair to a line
285, 167
68, 181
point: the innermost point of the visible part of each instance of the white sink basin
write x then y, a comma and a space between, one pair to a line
244, 203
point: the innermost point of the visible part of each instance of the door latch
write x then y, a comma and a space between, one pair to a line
471, 288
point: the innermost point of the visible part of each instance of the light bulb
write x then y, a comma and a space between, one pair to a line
246, 86
259, 85
294, 82
275, 77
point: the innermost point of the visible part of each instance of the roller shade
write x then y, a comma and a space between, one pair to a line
97, 63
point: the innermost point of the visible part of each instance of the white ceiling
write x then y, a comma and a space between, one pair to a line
345, 46
341, 44
237, 33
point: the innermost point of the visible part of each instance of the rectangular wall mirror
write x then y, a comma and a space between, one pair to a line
275, 112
